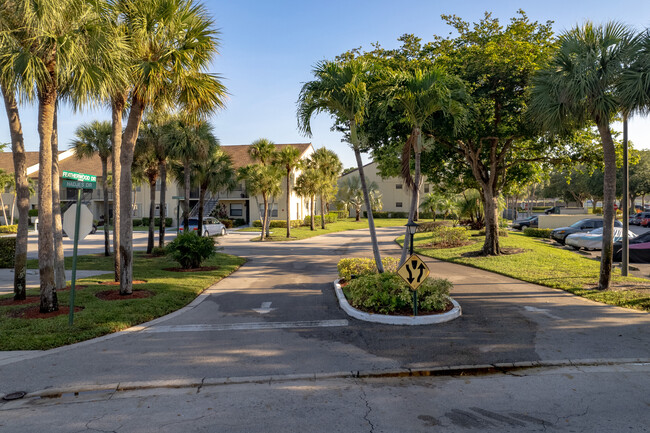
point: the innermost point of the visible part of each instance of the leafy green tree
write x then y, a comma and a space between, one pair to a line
289, 159
580, 86
95, 139
341, 89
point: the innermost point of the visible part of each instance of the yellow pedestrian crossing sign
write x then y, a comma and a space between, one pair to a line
414, 271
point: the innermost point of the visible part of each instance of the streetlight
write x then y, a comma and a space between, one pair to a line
412, 228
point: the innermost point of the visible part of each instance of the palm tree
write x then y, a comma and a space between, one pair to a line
580, 86
95, 139
213, 174
264, 180
341, 89
263, 150
289, 159
328, 168
172, 44
146, 168
6, 181
351, 194
307, 185
188, 142
420, 94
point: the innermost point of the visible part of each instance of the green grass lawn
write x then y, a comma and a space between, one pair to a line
547, 265
172, 290
304, 232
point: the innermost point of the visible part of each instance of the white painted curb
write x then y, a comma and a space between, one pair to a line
396, 320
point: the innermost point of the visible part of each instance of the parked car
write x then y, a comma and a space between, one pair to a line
553, 210
523, 223
211, 226
639, 217
639, 251
584, 225
593, 240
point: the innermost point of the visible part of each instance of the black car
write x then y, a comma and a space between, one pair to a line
523, 223
639, 249
584, 225
553, 210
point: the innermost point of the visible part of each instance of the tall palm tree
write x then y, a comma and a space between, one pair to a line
329, 167
307, 186
263, 150
262, 180
189, 141
341, 89
289, 159
580, 86
146, 168
173, 43
95, 139
213, 174
6, 181
420, 94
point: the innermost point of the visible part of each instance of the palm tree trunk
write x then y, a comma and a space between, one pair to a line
46, 102
107, 242
4, 212
163, 204
322, 213
21, 191
59, 264
358, 210
202, 192
117, 110
264, 216
312, 212
364, 187
186, 215
288, 203
609, 192
415, 196
126, 202
152, 211
13, 206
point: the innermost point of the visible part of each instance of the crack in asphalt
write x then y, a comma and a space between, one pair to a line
100, 430
364, 398
198, 390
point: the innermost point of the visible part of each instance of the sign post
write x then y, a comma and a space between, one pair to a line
414, 271
178, 205
79, 181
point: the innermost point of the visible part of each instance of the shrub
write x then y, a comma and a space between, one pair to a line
156, 222
159, 251
32, 212
450, 237
331, 217
387, 293
138, 222
239, 222
474, 225
503, 233
228, 223
278, 224
378, 214
7, 252
537, 233
430, 226
364, 266
9, 229
189, 250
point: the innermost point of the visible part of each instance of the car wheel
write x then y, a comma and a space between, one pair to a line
523, 227
223, 232
206, 233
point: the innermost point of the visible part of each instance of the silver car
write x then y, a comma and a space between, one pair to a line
211, 226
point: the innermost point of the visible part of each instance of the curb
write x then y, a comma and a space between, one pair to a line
199, 383
396, 320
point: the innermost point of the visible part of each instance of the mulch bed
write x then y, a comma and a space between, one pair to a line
28, 300
117, 283
34, 313
200, 269
114, 295
409, 311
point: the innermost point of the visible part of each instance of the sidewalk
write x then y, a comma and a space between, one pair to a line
32, 277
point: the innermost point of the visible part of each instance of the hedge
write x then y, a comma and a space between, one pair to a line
7, 252
156, 222
32, 212
537, 233
387, 214
273, 224
331, 217
364, 266
430, 226
9, 229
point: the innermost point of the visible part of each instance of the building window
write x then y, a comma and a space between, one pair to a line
426, 188
236, 209
238, 187
273, 210
398, 186
398, 204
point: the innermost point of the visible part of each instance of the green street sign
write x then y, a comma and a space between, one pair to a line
82, 177
78, 184
178, 197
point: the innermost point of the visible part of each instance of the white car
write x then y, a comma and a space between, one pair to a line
211, 226
593, 240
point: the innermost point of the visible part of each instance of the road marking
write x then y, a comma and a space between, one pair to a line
265, 308
247, 326
542, 311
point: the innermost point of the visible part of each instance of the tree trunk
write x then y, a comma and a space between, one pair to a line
126, 205
152, 213
202, 192
322, 213
59, 264
609, 192
117, 108
491, 246
312, 212
46, 102
186, 202
163, 204
371, 222
107, 242
288, 203
4, 211
264, 216
21, 191
358, 209
13, 206
415, 196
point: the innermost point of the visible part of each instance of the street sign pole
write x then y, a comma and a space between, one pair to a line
74, 258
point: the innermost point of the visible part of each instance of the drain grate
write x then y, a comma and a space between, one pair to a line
14, 396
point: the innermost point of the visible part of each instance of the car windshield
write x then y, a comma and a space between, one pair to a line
194, 221
577, 224
596, 232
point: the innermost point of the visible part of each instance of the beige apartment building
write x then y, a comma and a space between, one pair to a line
238, 203
395, 197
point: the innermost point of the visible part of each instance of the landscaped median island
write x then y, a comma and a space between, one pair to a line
386, 298
537, 261
165, 288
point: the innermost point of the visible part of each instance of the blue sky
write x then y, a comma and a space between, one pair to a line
268, 49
